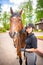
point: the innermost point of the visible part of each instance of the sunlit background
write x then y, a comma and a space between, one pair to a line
15, 4
32, 11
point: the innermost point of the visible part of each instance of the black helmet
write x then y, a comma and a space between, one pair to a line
30, 25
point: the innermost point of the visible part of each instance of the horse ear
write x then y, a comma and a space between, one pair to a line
11, 10
21, 11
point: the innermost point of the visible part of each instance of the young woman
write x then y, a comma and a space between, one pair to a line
31, 45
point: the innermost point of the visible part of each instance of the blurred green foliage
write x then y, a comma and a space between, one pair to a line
5, 20
2, 29
39, 10
27, 14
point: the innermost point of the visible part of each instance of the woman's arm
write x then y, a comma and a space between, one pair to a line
31, 50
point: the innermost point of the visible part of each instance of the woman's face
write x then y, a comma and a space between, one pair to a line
29, 30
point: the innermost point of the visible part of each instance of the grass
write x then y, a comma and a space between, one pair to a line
38, 30
40, 37
2, 30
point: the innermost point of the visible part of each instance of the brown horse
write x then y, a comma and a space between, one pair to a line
16, 28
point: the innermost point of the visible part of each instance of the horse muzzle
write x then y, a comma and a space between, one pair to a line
11, 34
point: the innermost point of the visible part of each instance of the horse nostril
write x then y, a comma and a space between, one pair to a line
10, 34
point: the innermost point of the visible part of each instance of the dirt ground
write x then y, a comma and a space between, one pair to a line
8, 52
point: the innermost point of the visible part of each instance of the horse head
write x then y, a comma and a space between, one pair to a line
15, 22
